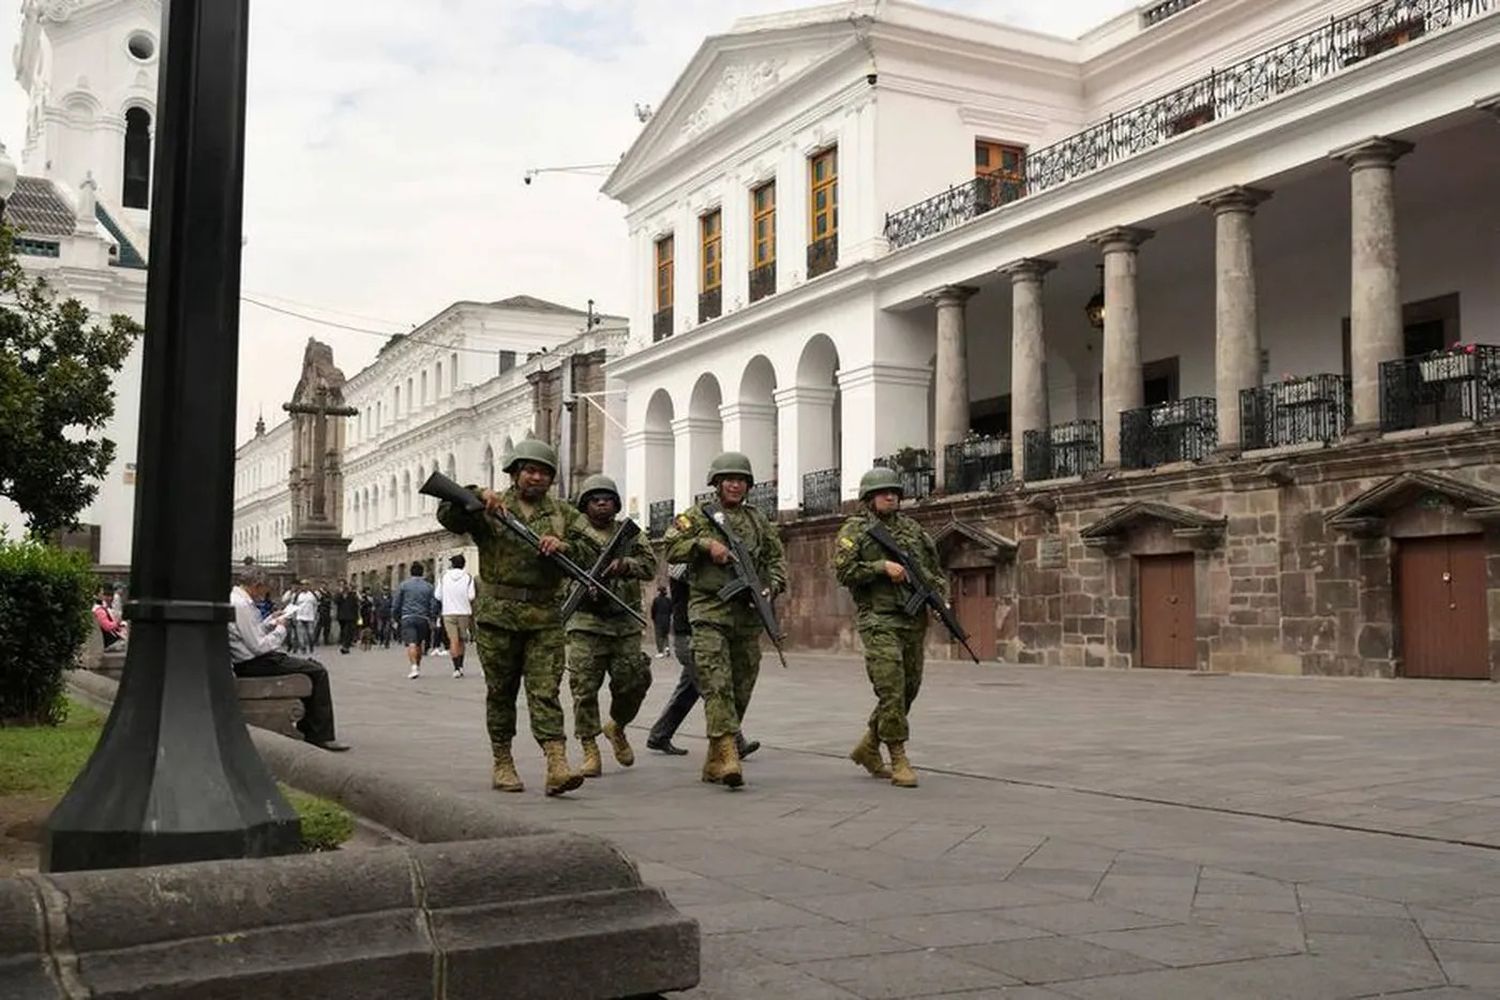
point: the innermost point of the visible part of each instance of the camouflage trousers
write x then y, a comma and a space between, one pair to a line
590, 657
893, 659
728, 662
509, 656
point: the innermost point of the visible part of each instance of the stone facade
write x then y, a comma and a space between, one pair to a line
1294, 556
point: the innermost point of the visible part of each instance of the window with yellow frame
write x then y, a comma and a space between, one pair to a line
664, 273
710, 239
763, 224
823, 196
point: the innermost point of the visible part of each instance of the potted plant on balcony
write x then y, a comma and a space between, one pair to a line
1454, 363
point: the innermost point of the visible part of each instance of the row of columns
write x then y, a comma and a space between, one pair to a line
1375, 315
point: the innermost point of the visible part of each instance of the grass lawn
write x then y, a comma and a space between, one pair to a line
40, 762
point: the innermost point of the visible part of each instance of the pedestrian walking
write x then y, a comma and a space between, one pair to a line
413, 608
726, 633
306, 602
383, 617
325, 616
604, 640
685, 695
457, 598
892, 636
519, 635
661, 620
347, 608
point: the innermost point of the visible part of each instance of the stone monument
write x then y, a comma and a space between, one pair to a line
316, 549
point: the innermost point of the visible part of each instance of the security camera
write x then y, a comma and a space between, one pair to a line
526, 180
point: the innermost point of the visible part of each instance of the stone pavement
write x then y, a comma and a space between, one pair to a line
1078, 834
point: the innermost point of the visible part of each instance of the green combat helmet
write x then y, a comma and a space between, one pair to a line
598, 484
532, 450
729, 463
878, 479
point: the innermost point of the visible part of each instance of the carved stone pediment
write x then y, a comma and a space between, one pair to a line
1368, 514
739, 84
1111, 531
964, 545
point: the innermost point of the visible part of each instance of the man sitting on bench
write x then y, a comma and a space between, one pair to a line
255, 650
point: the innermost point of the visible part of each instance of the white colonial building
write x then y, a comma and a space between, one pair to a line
453, 396
81, 210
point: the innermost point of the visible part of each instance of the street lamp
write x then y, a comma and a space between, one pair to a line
1094, 310
7, 179
175, 777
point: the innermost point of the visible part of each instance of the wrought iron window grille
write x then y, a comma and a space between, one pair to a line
710, 304
659, 517
1444, 387
1306, 410
1157, 13
1287, 66
661, 324
1182, 430
762, 281
822, 256
822, 492
1068, 449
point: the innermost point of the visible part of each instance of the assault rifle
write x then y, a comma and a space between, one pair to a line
623, 536
746, 580
921, 592
443, 488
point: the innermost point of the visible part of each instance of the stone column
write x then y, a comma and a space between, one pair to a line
751, 428
1236, 326
1122, 331
884, 409
696, 440
805, 437
951, 378
1028, 357
1375, 287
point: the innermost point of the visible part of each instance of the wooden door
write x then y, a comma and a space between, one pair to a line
1168, 609
1441, 590
974, 603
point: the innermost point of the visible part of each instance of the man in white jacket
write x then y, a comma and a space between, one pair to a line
456, 595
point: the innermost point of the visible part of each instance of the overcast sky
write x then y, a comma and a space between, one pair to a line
387, 141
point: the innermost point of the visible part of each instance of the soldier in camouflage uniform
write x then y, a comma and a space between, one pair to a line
516, 609
604, 639
892, 638
726, 635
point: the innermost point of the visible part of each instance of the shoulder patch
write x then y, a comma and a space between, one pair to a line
846, 541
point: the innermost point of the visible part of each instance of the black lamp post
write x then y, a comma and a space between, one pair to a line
175, 776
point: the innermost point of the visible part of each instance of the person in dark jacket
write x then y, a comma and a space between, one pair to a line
347, 609
325, 617
661, 618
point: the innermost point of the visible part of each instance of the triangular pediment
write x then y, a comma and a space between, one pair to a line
970, 538
1366, 514
1184, 522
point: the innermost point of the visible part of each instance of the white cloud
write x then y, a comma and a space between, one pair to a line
387, 140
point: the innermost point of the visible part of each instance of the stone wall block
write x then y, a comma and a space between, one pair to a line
1336, 595
22, 938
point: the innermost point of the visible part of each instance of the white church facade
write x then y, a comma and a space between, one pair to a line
1053, 278
81, 210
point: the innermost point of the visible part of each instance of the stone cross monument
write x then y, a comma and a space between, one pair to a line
316, 550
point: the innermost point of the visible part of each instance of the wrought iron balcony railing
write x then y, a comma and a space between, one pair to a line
1306, 410
763, 496
710, 304
822, 256
1157, 13
661, 324
1183, 430
1445, 387
1291, 65
1070, 449
659, 517
976, 464
822, 492
762, 281
917, 471
702, 498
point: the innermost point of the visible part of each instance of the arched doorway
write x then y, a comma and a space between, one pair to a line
750, 426
699, 437
811, 425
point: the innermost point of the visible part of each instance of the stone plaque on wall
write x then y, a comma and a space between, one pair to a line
1051, 553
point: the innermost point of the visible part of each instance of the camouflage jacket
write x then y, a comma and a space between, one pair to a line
600, 616
505, 560
859, 563
687, 542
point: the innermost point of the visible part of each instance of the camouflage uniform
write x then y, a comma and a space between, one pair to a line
603, 639
892, 638
726, 636
515, 611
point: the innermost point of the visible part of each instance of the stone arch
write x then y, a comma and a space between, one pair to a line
812, 429
699, 437
660, 451
135, 185
750, 420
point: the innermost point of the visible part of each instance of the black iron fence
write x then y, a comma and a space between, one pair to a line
1305, 410
1157, 13
1070, 449
1445, 387
762, 281
1298, 62
976, 464
822, 492
763, 495
661, 324
917, 470
659, 517
699, 499
1183, 430
710, 304
822, 256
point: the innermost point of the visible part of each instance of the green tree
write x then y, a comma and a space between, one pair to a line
57, 375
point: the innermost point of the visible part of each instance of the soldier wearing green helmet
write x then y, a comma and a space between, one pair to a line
604, 640
893, 639
725, 634
518, 633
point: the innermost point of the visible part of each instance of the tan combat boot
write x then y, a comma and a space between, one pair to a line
592, 765
560, 777
902, 776
616, 736
866, 754
723, 764
713, 767
504, 777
